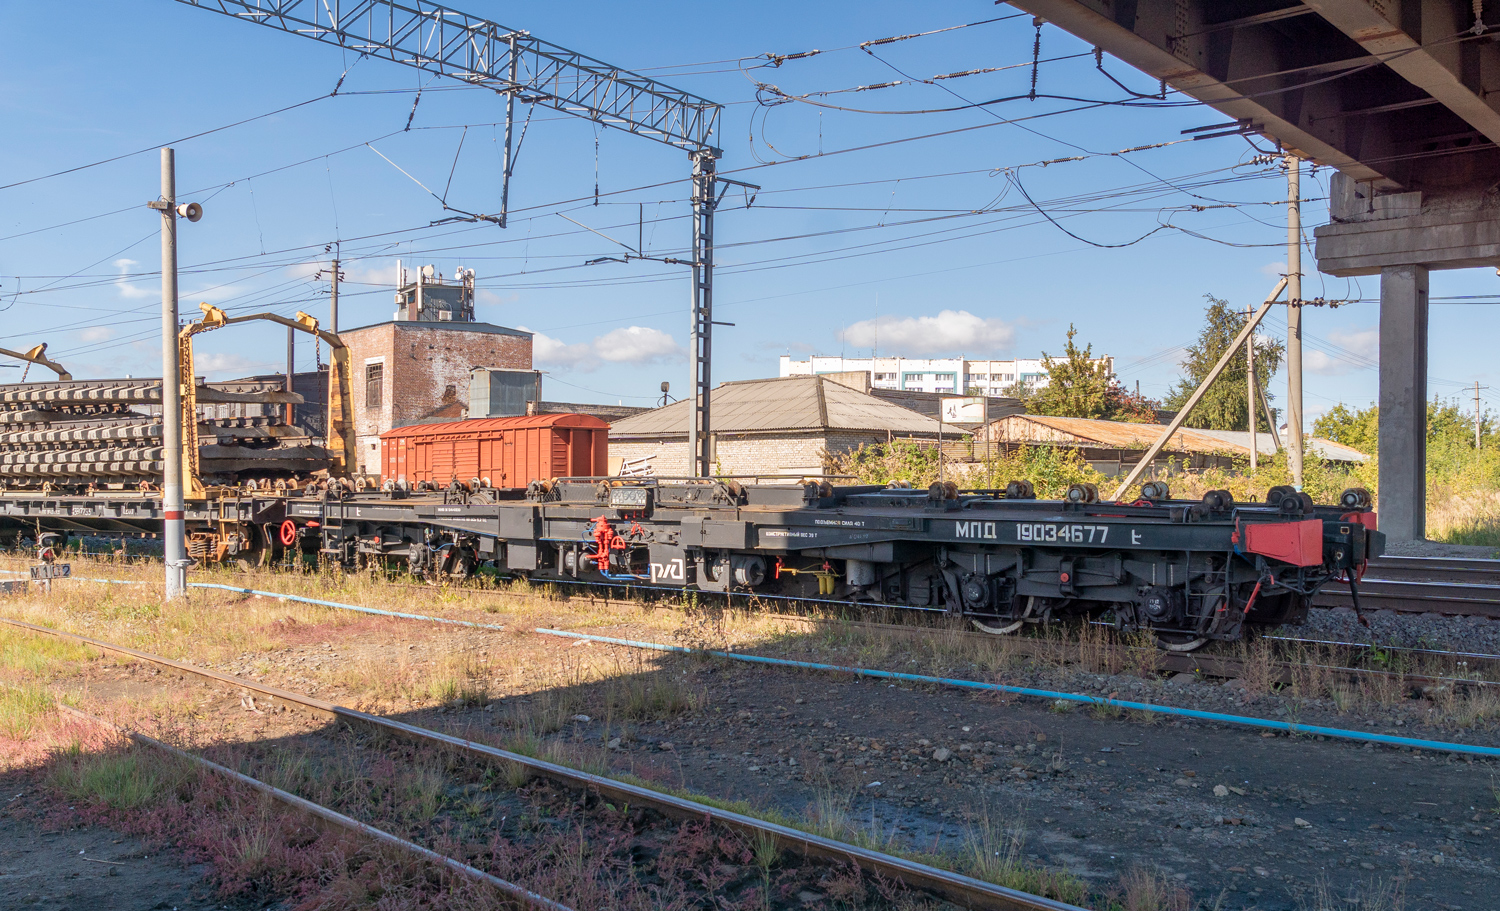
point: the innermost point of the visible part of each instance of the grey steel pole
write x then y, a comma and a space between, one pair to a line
510, 118
1294, 318
174, 530
333, 301
700, 337
1250, 388
291, 362
1476, 415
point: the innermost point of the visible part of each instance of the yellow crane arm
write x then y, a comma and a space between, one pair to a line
340, 440
38, 355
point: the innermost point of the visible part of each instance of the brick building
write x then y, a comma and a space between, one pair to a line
781, 427
417, 367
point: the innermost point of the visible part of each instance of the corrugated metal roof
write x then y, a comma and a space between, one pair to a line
1044, 428
786, 403
1338, 452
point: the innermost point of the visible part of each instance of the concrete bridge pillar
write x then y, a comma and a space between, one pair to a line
1401, 237
1403, 402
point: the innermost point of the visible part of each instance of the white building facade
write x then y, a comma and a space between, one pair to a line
952, 375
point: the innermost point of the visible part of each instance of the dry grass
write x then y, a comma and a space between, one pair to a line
1469, 518
993, 852
1375, 895
1146, 890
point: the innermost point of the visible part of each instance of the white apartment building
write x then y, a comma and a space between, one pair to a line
953, 375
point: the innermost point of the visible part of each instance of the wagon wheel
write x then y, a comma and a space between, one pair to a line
1179, 642
1006, 628
269, 552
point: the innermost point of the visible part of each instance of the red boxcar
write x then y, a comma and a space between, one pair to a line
508, 452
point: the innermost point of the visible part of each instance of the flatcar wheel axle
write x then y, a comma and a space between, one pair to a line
1005, 628
1180, 642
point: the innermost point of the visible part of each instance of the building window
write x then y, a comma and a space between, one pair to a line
374, 385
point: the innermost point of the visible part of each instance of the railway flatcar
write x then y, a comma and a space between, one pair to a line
1187, 571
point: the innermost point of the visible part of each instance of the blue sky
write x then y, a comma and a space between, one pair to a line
836, 248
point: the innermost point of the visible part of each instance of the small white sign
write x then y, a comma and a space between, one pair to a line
965, 410
46, 571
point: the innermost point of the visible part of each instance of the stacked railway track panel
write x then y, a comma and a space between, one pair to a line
77, 435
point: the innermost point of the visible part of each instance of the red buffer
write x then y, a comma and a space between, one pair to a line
1297, 543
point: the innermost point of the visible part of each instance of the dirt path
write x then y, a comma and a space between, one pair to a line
58, 867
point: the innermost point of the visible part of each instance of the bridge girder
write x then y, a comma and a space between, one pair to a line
1398, 95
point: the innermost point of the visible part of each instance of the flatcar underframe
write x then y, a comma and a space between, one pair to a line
1188, 571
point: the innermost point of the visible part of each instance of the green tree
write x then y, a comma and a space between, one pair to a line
1357, 428
1223, 406
1449, 426
1077, 385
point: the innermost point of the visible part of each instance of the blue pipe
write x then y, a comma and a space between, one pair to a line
1290, 727
353, 607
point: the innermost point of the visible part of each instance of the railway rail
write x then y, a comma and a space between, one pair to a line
959, 889
1453, 587
524, 897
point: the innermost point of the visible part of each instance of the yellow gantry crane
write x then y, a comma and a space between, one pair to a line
340, 439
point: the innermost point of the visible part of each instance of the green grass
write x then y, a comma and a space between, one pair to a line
122, 779
19, 708
34, 654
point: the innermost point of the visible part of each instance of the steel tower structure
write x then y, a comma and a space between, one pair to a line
514, 63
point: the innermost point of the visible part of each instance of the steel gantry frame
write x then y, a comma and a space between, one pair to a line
514, 63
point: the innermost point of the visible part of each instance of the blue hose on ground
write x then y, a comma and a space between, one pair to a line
1288, 726
353, 607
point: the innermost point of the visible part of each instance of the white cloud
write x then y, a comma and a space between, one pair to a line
548, 350
950, 332
1274, 270
638, 345
128, 290
630, 345
97, 334
1361, 343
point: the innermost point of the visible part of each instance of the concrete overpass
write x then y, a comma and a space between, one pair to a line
1402, 97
